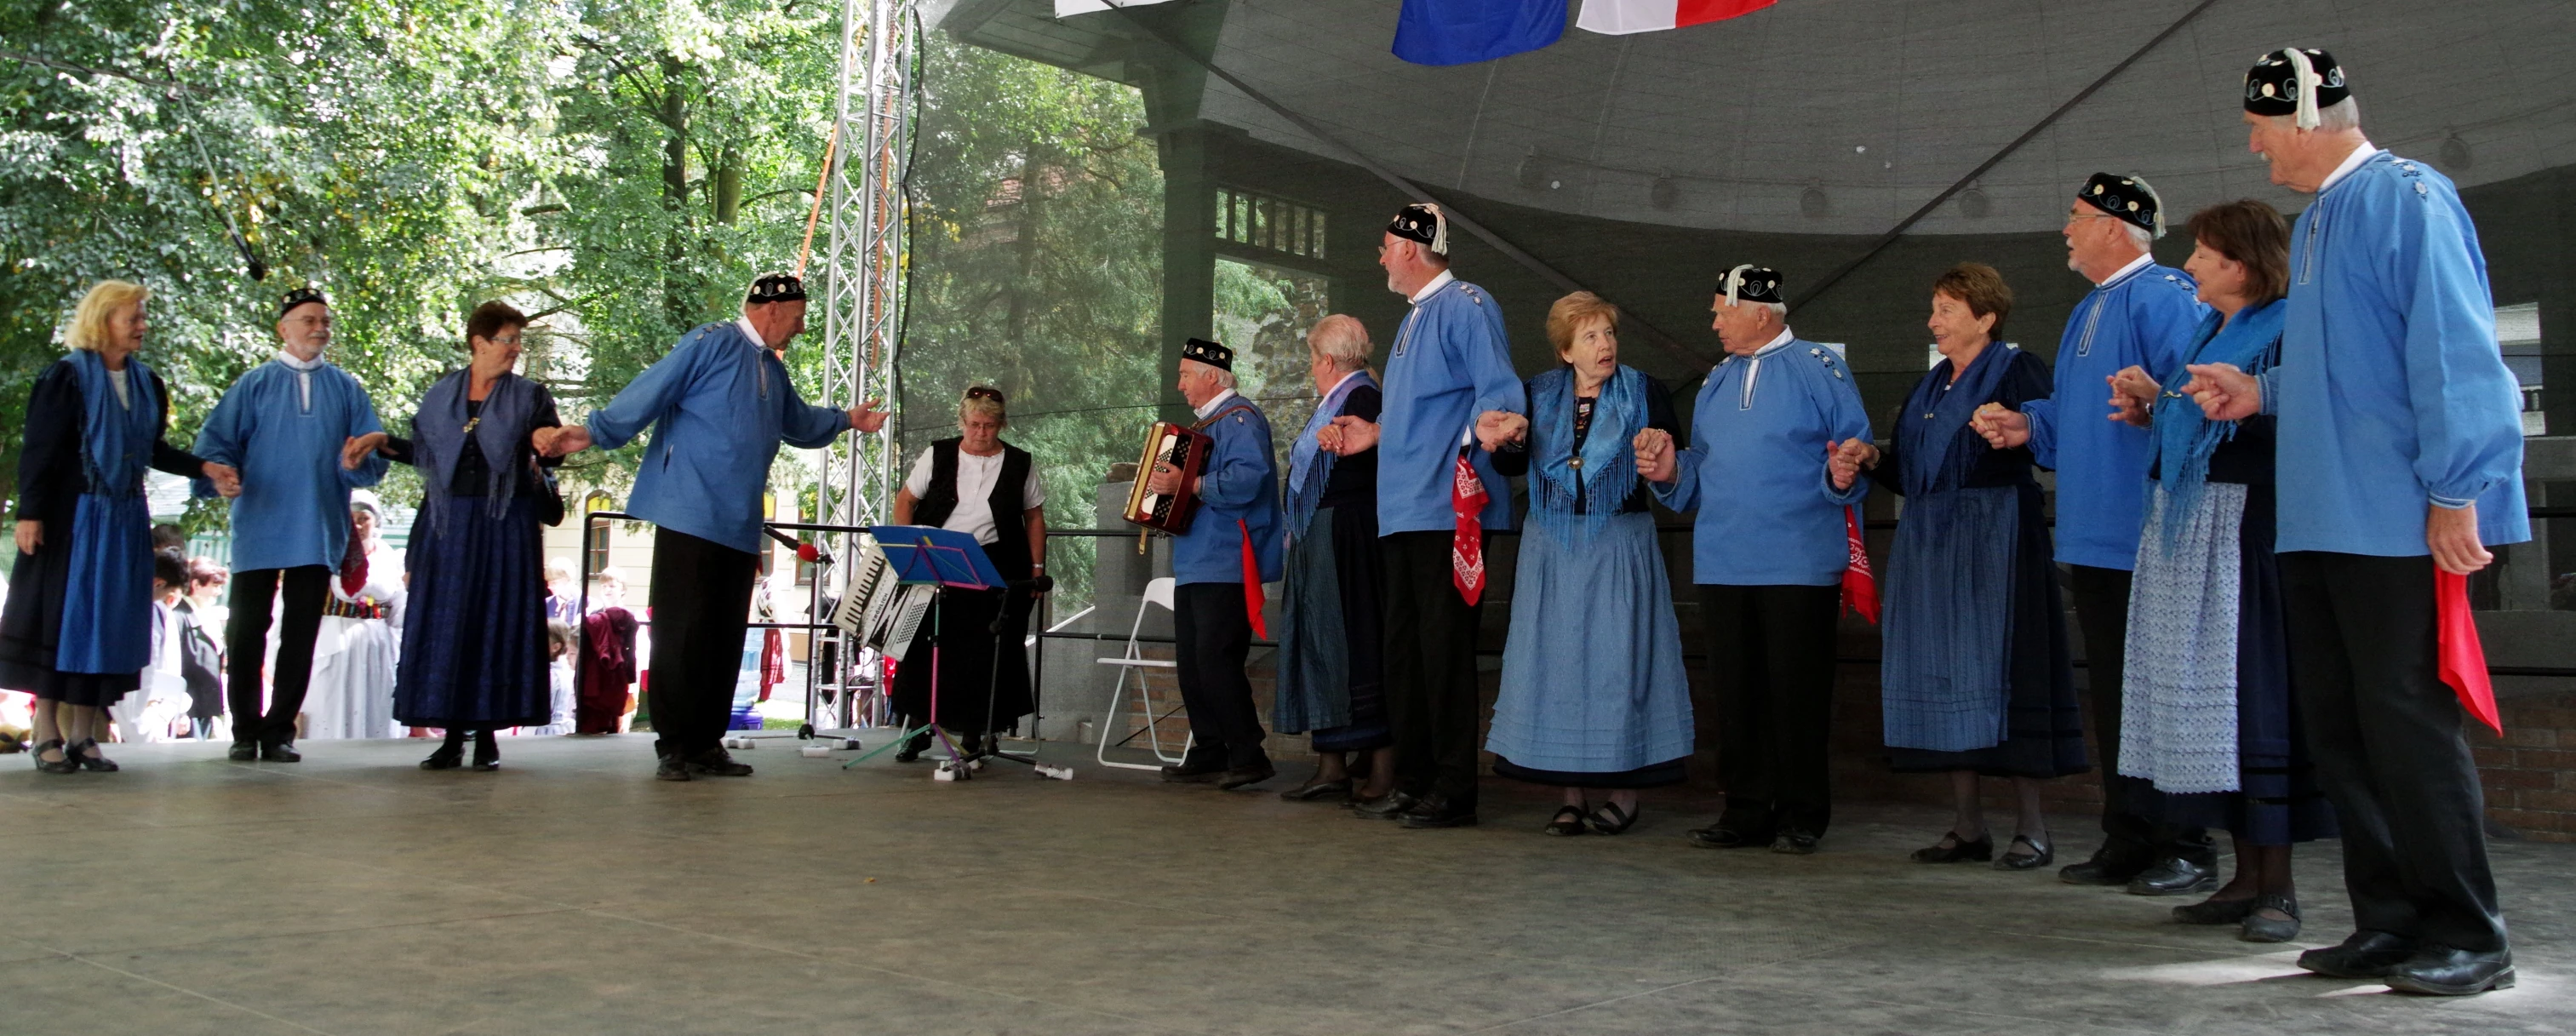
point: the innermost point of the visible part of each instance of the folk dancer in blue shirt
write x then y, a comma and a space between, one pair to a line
1769, 547
719, 406
2401, 437
303, 433
2139, 314
1215, 609
1449, 391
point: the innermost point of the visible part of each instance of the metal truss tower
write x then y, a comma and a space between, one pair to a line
863, 271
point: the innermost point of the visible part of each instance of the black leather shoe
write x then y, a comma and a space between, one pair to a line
448, 757
2174, 876
2438, 970
2361, 955
81, 756
718, 762
280, 752
1386, 807
1794, 843
1567, 822
1312, 791
1193, 773
2258, 928
1438, 811
2214, 911
2102, 870
243, 751
1720, 836
671, 768
487, 752
2041, 854
1246, 776
1954, 849
62, 765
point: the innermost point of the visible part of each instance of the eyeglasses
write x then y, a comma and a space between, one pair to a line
985, 392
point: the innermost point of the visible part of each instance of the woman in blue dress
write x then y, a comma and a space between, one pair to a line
1331, 680
2208, 713
1593, 694
77, 629
1976, 678
474, 642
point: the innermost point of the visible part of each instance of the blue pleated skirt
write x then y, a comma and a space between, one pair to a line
474, 637
1592, 675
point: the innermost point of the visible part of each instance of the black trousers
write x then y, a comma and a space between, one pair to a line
1432, 703
2385, 734
2131, 836
701, 600
1215, 636
307, 588
1771, 663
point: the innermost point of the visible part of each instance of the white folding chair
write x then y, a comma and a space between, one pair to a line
1134, 662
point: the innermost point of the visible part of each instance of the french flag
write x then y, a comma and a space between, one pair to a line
1621, 17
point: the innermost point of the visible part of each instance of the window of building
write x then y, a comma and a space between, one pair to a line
1262, 221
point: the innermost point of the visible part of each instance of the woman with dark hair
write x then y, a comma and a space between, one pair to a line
2208, 712
1976, 678
474, 641
1593, 700
77, 629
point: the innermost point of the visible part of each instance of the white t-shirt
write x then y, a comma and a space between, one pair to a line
975, 475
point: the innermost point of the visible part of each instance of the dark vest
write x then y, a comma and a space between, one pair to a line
1010, 547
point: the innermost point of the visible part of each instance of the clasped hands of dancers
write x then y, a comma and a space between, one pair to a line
2261, 638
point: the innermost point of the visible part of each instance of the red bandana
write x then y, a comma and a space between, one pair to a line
2463, 659
1467, 548
1252, 584
1860, 588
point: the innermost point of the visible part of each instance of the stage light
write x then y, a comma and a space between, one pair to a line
1974, 204
1665, 193
1814, 203
2455, 153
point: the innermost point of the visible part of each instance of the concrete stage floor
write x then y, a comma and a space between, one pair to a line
353, 894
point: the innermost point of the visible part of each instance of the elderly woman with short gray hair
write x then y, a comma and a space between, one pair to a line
76, 632
1330, 642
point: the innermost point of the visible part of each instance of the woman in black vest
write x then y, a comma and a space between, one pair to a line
981, 485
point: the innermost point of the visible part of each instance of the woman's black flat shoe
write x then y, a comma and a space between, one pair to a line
2040, 855
1610, 819
2259, 928
1954, 849
80, 756
1568, 821
447, 757
62, 765
487, 753
2214, 911
1316, 790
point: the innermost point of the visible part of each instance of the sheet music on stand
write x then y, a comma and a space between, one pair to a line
897, 573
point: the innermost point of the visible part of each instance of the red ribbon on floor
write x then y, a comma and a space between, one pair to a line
1252, 598
1467, 548
2463, 660
1860, 588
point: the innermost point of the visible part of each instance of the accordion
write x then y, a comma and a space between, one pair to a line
1186, 451
877, 610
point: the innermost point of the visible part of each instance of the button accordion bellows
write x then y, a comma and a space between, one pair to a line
876, 609
1185, 450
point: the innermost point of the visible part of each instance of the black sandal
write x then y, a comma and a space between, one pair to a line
1569, 821
1954, 849
62, 765
2041, 854
80, 756
1610, 819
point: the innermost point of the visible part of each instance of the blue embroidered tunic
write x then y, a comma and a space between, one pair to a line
718, 405
2145, 316
1451, 361
2412, 403
282, 425
1238, 484
1755, 468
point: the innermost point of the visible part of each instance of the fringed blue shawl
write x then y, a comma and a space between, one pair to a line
2183, 438
1310, 466
439, 436
1607, 473
107, 599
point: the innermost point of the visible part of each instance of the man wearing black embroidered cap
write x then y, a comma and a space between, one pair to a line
2139, 314
719, 406
1232, 547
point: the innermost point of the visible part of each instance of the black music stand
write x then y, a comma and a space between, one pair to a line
926, 555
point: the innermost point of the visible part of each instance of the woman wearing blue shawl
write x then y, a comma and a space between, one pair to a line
2208, 706
1331, 628
1593, 695
77, 629
1975, 679
474, 644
